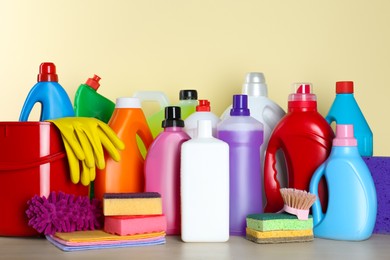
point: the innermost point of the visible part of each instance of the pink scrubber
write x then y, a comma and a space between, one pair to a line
131, 225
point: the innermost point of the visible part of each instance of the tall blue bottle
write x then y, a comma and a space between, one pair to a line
352, 203
345, 110
55, 102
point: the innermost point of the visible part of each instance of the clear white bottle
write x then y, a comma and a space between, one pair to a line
204, 187
202, 113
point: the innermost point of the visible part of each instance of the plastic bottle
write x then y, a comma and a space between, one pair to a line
55, 102
188, 100
154, 121
204, 187
352, 205
202, 113
345, 110
89, 103
268, 113
244, 134
127, 121
162, 167
305, 138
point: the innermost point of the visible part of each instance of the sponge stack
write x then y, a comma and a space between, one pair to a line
133, 213
270, 228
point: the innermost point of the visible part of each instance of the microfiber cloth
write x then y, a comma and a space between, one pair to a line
100, 235
103, 245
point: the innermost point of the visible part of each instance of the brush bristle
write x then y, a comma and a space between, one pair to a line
298, 199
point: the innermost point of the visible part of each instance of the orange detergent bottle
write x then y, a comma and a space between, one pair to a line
127, 121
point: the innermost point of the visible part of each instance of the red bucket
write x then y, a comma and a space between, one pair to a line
32, 162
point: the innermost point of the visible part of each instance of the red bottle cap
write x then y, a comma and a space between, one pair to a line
47, 72
344, 87
93, 82
204, 105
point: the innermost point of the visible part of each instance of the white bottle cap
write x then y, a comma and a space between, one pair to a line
204, 129
255, 85
127, 102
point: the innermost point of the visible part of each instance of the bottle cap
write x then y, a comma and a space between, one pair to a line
344, 87
204, 128
204, 105
127, 102
188, 94
172, 117
255, 85
240, 106
344, 136
93, 82
47, 72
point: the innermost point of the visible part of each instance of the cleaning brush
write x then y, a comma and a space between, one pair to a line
297, 202
63, 212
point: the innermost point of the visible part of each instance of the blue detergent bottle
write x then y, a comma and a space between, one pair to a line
54, 100
345, 110
352, 203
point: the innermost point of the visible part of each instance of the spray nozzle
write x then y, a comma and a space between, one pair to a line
93, 82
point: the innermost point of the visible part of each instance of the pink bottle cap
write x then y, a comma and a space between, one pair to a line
344, 136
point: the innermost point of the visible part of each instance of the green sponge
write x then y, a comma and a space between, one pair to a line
273, 222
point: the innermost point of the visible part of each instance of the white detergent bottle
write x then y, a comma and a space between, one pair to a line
202, 113
204, 187
267, 112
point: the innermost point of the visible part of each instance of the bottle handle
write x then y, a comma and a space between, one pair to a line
157, 96
32, 98
271, 184
316, 208
330, 119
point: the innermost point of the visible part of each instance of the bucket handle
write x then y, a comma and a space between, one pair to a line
12, 166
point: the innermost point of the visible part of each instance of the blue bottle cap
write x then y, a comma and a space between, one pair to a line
240, 106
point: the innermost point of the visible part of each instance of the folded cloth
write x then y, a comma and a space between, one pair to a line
105, 244
100, 235
98, 239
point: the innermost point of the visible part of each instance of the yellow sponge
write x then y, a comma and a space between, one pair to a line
132, 204
279, 236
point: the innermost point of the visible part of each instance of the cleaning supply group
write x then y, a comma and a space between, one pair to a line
255, 171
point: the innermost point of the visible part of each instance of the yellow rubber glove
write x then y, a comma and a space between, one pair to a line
84, 139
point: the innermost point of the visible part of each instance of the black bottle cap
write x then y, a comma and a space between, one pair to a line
186, 94
172, 117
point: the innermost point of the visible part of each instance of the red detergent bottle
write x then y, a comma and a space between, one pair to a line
305, 138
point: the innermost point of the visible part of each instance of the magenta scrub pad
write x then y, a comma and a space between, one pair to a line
380, 171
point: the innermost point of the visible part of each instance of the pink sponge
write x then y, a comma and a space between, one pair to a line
130, 225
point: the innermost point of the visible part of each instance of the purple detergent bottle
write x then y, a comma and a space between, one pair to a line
244, 134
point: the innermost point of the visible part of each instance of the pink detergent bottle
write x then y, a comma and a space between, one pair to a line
162, 167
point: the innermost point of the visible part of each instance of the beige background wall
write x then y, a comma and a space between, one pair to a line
169, 45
